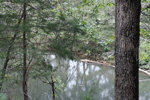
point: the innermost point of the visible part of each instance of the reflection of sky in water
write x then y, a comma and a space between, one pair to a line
96, 69
89, 82
88, 69
92, 67
83, 87
72, 68
103, 76
103, 80
68, 94
97, 77
80, 83
105, 93
72, 63
110, 71
81, 67
87, 72
71, 83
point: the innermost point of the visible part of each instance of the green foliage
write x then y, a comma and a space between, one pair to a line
143, 57
143, 33
145, 1
61, 27
109, 57
2, 96
146, 66
96, 41
144, 53
146, 8
59, 85
3, 54
110, 4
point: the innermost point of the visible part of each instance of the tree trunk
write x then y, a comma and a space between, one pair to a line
24, 82
53, 87
127, 28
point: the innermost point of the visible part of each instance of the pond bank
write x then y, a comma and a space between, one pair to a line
101, 61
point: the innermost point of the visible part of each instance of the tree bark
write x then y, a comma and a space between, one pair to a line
127, 29
53, 87
24, 82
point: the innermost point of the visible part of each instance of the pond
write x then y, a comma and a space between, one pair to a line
82, 82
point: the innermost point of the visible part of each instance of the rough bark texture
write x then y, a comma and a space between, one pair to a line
24, 82
127, 20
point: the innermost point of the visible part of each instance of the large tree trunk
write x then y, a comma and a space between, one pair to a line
127, 20
24, 82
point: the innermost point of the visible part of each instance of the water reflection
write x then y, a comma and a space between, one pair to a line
81, 79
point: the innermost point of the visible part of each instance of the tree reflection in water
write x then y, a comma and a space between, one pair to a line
81, 80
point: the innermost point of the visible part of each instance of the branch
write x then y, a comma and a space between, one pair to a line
48, 82
145, 14
148, 6
8, 54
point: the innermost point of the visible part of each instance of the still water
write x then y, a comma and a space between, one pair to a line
82, 81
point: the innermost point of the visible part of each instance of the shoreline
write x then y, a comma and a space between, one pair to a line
106, 63
101, 61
